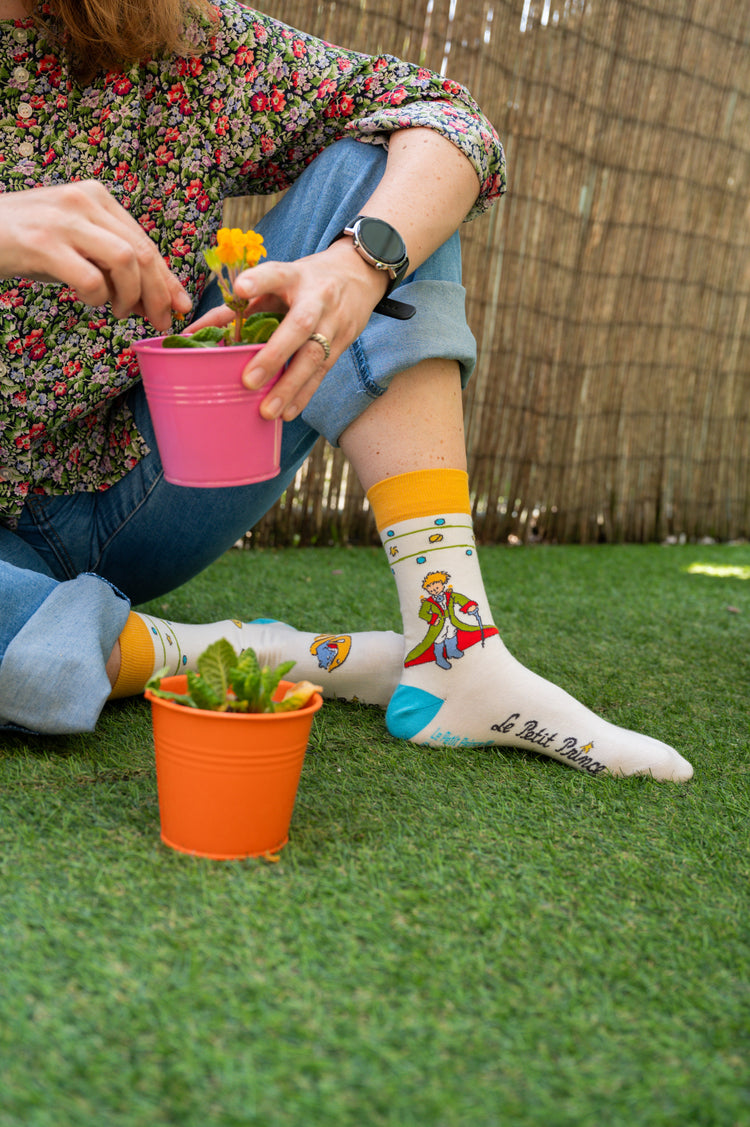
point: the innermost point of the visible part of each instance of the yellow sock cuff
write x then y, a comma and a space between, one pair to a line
421, 493
136, 658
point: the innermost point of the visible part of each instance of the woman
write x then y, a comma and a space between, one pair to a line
121, 143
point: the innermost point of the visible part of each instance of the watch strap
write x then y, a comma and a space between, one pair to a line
401, 310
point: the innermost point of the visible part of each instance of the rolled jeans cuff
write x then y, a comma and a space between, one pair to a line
386, 347
52, 674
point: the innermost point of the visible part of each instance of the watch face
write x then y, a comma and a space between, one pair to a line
381, 241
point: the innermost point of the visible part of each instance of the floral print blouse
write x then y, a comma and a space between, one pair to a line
171, 139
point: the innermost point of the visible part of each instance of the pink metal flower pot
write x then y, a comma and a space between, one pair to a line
208, 427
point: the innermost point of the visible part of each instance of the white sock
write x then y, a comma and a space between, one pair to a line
460, 687
357, 667
362, 667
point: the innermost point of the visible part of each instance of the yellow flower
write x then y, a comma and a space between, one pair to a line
235, 251
230, 246
239, 249
254, 249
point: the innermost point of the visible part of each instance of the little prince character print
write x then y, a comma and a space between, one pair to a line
448, 635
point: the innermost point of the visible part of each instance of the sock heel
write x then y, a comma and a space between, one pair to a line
410, 710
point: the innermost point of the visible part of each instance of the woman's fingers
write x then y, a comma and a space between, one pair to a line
79, 234
220, 316
327, 294
136, 273
306, 363
111, 263
300, 381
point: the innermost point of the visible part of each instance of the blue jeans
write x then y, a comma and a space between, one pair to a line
74, 564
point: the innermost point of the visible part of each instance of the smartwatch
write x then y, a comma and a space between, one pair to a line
382, 247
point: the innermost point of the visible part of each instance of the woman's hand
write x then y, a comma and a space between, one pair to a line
79, 234
331, 293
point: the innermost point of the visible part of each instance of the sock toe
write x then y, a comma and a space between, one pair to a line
658, 760
674, 769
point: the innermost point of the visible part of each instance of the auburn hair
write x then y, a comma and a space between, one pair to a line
102, 35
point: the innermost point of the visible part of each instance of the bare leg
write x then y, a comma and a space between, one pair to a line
112, 668
388, 439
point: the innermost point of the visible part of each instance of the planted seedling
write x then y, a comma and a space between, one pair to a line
230, 682
234, 252
256, 329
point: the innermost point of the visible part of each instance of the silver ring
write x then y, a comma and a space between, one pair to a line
324, 342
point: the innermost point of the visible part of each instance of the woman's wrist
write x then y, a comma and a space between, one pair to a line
344, 255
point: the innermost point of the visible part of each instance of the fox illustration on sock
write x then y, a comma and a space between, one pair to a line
331, 650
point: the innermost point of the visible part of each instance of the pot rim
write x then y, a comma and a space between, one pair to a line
178, 683
154, 344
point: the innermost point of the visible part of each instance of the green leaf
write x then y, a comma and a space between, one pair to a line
270, 681
237, 706
207, 337
245, 678
213, 261
259, 327
226, 682
211, 333
214, 666
247, 691
175, 341
254, 685
281, 671
154, 682
179, 698
248, 662
203, 695
155, 679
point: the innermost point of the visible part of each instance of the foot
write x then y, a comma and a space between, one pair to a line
491, 699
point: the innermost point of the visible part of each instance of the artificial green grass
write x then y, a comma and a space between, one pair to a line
451, 937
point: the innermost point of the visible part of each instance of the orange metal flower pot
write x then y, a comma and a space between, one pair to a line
227, 782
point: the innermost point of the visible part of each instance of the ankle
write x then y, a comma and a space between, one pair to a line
112, 668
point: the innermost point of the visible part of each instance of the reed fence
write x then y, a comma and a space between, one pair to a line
608, 291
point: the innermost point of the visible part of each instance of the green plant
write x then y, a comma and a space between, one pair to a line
256, 329
231, 682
